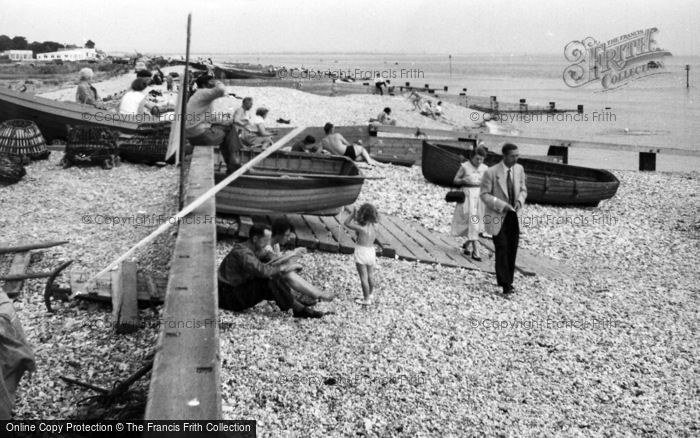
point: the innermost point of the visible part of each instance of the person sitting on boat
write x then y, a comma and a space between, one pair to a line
468, 217
242, 116
86, 93
337, 144
203, 129
244, 280
255, 134
308, 144
384, 118
135, 102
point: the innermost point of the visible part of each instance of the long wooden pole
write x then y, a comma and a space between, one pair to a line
201, 200
183, 112
30, 246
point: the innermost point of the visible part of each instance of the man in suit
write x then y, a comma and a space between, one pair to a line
503, 190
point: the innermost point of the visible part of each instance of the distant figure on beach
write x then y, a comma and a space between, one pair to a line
426, 109
255, 134
201, 128
379, 83
337, 144
308, 144
364, 222
169, 83
241, 116
438, 109
384, 118
468, 217
86, 93
503, 190
415, 100
135, 101
244, 280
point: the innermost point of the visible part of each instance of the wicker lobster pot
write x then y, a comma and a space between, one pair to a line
148, 148
11, 169
22, 138
91, 145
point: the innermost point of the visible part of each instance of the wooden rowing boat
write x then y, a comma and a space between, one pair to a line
241, 73
547, 182
291, 182
52, 116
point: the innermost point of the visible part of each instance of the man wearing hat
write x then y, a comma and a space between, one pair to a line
201, 128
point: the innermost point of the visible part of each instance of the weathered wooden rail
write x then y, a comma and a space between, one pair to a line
185, 381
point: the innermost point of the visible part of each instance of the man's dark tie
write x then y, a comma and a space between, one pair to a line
511, 189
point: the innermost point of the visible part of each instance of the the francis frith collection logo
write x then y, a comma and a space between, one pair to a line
616, 62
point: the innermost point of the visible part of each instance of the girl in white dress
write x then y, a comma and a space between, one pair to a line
468, 216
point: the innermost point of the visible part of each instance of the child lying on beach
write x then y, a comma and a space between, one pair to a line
365, 220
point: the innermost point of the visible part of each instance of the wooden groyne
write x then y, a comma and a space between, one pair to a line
185, 381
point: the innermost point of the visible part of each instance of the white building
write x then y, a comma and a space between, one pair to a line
18, 55
68, 55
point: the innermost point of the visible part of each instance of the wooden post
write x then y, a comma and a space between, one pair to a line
559, 151
687, 76
523, 105
125, 309
579, 109
551, 106
647, 161
493, 102
183, 109
445, 88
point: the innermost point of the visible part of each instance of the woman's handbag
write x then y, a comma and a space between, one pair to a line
455, 196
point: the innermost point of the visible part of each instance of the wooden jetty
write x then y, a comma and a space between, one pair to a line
185, 381
396, 239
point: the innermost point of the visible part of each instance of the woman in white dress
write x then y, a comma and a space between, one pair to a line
468, 216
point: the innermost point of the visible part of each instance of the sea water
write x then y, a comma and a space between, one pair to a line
657, 111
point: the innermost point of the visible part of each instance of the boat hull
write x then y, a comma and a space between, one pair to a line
52, 117
235, 73
292, 183
547, 182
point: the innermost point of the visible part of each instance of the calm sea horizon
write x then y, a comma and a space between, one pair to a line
657, 111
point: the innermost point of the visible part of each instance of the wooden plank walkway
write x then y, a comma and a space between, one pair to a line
185, 381
405, 240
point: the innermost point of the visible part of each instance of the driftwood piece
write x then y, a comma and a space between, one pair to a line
51, 291
30, 246
125, 309
19, 266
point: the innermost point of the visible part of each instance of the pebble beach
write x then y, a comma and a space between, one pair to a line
609, 349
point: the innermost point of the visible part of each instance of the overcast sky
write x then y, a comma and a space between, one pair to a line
409, 26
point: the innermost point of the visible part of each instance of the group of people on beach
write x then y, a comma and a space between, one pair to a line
135, 102
260, 269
